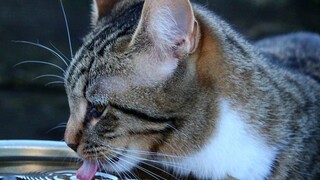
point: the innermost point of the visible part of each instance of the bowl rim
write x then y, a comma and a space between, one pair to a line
35, 149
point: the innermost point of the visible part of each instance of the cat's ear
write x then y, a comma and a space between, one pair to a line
102, 8
170, 24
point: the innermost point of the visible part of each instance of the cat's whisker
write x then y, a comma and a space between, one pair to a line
174, 148
154, 175
77, 68
177, 130
67, 27
111, 164
133, 174
39, 62
57, 127
171, 163
124, 173
167, 163
161, 162
174, 162
126, 169
159, 169
46, 48
78, 161
48, 75
145, 152
64, 56
54, 82
143, 169
113, 167
63, 123
69, 157
95, 152
100, 166
115, 164
148, 164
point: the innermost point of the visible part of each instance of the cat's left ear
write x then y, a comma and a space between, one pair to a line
171, 25
102, 8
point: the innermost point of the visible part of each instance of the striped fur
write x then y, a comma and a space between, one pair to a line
171, 100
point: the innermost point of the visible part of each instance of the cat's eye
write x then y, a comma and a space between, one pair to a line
97, 110
100, 108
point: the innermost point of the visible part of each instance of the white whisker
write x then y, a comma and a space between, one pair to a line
166, 163
44, 47
64, 56
111, 164
63, 123
67, 27
54, 82
48, 75
145, 152
177, 130
144, 170
40, 62
161, 162
148, 164
126, 169
57, 127
77, 68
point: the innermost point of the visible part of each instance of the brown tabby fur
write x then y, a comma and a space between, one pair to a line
281, 103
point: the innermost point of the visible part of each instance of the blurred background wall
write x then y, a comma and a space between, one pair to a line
29, 109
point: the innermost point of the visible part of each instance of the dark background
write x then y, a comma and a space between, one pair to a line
29, 109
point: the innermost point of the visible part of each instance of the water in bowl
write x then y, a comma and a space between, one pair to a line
57, 175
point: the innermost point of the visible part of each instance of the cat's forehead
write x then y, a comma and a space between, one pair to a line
89, 67
123, 19
99, 55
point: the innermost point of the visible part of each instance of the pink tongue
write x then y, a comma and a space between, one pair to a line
87, 170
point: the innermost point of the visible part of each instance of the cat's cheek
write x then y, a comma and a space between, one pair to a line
168, 67
119, 155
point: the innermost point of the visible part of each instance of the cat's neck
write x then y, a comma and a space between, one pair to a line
223, 58
224, 70
234, 150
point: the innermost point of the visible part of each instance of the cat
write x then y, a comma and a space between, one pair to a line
171, 83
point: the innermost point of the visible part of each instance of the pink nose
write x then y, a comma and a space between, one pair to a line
73, 134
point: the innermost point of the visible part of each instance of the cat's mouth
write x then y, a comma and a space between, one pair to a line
106, 160
104, 155
90, 167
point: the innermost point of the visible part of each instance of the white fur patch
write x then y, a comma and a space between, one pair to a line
233, 150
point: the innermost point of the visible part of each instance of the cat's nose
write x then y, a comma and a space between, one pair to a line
73, 146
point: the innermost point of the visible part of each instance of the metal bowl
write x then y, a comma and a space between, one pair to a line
38, 158
25, 156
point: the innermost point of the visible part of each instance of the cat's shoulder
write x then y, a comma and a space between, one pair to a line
296, 51
300, 43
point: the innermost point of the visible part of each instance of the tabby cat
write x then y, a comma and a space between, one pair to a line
167, 81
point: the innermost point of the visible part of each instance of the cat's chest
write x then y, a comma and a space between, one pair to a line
231, 151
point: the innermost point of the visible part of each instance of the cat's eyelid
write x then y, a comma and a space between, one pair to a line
95, 104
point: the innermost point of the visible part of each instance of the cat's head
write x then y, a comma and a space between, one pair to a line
133, 82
